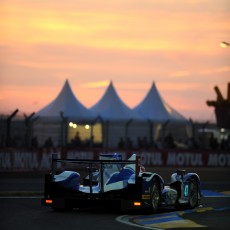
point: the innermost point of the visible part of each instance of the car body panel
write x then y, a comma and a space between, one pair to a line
113, 183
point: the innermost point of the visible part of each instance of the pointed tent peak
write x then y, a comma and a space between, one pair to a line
67, 103
153, 95
111, 86
66, 81
111, 92
66, 84
66, 88
111, 107
110, 89
67, 92
110, 97
152, 89
153, 107
153, 86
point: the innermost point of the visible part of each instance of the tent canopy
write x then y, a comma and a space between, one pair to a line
155, 109
111, 108
68, 105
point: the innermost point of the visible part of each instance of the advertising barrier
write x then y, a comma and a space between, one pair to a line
14, 160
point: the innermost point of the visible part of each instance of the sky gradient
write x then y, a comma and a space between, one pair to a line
174, 43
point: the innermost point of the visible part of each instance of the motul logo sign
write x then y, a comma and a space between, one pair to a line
14, 160
184, 159
152, 159
219, 160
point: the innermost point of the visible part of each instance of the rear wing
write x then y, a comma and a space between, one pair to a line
103, 164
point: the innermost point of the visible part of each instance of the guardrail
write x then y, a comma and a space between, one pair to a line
13, 160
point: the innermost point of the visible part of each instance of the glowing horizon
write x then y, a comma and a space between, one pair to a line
129, 42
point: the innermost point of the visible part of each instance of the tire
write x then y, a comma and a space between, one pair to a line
193, 194
155, 196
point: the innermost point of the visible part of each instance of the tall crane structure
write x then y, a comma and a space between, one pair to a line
222, 108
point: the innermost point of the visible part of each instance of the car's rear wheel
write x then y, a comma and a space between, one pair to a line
155, 195
193, 197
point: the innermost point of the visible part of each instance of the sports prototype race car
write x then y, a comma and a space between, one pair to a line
115, 183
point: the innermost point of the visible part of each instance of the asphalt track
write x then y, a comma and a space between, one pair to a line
20, 207
214, 213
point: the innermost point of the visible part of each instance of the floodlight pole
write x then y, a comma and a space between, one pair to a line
8, 126
64, 130
27, 131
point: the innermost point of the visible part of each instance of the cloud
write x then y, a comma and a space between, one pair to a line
180, 74
224, 69
217, 70
127, 28
98, 84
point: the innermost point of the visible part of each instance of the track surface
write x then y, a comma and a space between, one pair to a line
20, 207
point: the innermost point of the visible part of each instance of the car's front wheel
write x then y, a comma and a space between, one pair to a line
193, 194
155, 195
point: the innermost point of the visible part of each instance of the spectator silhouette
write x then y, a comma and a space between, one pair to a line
77, 140
213, 144
169, 141
121, 143
128, 143
34, 142
48, 143
191, 143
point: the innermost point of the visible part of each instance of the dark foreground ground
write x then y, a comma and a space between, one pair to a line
20, 195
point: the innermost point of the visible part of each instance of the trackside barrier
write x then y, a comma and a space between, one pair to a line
13, 160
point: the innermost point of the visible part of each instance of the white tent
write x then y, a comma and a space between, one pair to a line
111, 108
68, 105
163, 119
116, 117
52, 120
155, 109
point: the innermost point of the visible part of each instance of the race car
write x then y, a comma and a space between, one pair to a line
115, 183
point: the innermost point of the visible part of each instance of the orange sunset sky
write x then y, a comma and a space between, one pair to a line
174, 43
